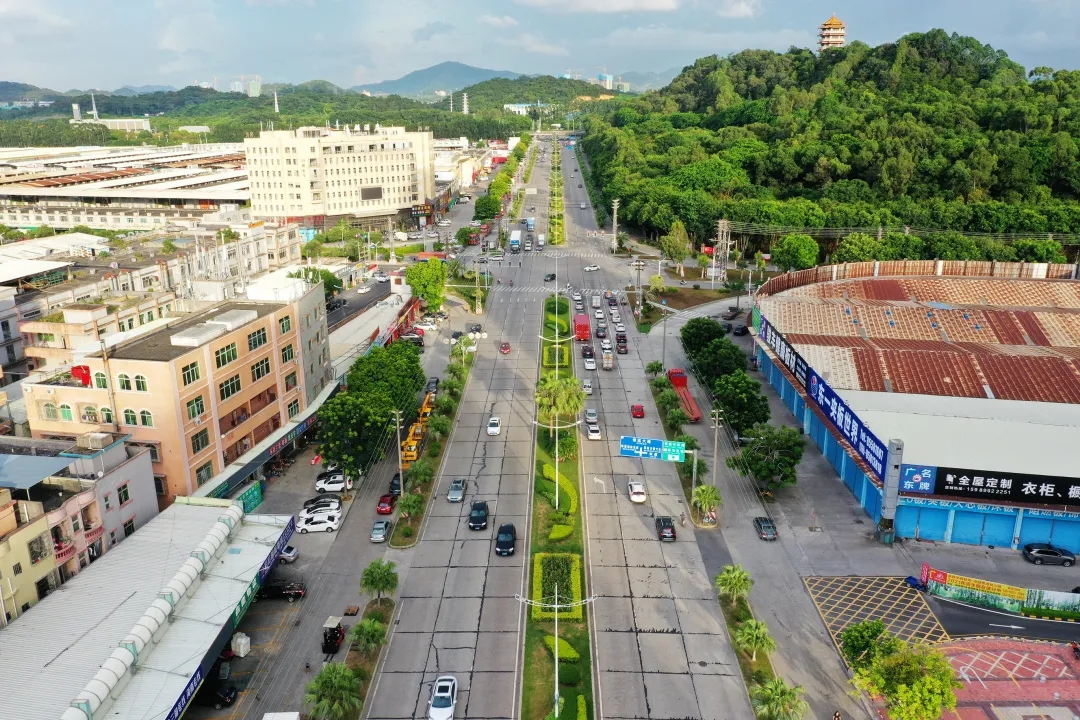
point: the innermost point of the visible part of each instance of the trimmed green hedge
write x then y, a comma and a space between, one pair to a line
565, 485
1038, 612
551, 715
549, 568
582, 708
567, 653
559, 532
556, 355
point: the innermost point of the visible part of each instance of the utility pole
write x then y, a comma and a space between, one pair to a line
723, 240
663, 352
397, 424
614, 225
716, 416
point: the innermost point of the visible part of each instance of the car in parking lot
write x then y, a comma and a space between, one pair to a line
591, 416
478, 515
593, 432
591, 268
215, 695
636, 491
380, 531
333, 482
456, 492
1047, 554
637, 411
395, 485
740, 330
319, 523
427, 325
549, 277
443, 223
288, 555
494, 426
586, 386
587, 351
320, 509
283, 590
590, 364
505, 539
443, 700
665, 528
324, 499
765, 528
386, 504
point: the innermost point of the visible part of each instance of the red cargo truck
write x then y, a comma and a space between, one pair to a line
581, 327
485, 229
678, 381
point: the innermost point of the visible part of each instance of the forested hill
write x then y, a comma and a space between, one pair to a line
493, 94
933, 131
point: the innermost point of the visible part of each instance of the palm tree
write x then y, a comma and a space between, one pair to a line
753, 635
705, 498
439, 426
776, 700
547, 400
654, 368
419, 473
380, 576
410, 506
573, 397
734, 581
334, 694
367, 635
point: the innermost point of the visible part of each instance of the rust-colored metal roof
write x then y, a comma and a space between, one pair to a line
81, 178
1014, 338
235, 159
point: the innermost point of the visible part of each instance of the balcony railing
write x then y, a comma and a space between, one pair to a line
92, 534
64, 553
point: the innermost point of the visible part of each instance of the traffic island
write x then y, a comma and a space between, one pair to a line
364, 652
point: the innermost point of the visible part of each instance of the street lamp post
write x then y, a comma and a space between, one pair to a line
556, 607
557, 429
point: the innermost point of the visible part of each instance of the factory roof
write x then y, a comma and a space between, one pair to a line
11, 269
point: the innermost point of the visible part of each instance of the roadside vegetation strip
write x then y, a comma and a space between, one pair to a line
362, 658
595, 196
557, 544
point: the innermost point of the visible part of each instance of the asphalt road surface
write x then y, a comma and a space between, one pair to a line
960, 620
356, 302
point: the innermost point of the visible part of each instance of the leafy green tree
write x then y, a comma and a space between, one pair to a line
676, 419
721, 357
771, 456
795, 252
952, 246
333, 694
1045, 251
917, 682
419, 473
656, 286
704, 262
463, 235
660, 383
331, 282
901, 246
439, 426
446, 404
753, 636
168, 246
453, 386
311, 249
394, 370
858, 247
863, 643
654, 368
566, 445
428, 281
689, 441
697, 333
776, 700
740, 399
410, 506
676, 245
352, 427
705, 498
486, 207
367, 635
380, 576
734, 582
667, 400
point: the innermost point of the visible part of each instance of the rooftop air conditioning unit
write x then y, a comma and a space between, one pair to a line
99, 441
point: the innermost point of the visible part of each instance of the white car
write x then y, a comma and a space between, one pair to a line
363, 290
590, 364
591, 416
576, 296
591, 268
605, 344
319, 523
416, 236
599, 314
586, 386
443, 223
430, 325
432, 234
443, 698
475, 223
334, 482
615, 316
494, 426
619, 327
636, 491
381, 277
318, 511
593, 432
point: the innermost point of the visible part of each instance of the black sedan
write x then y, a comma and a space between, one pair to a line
478, 515
741, 330
505, 539
276, 589
665, 528
549, 277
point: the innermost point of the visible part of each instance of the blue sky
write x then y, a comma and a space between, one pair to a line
65, 44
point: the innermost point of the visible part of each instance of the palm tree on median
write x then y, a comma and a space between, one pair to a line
753, 635
734, 581
334, 694
776, 700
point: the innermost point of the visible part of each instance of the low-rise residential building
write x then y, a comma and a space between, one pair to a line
62, 506
200, 391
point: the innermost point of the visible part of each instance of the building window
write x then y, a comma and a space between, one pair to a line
122, 494
294, 408
257, 339
123, 381
129, 528
260, 370
106, 415
108, 502
140, 383
195, 408
200, 441
112, 538
190, 373
16, 569
285, 324
225, 355
49, 411
204, 473
159, 485
75, 524
100, 381
130, 417
89, 414
155, 453
290, 381
65, 413
146, 418
229, 388
287, 354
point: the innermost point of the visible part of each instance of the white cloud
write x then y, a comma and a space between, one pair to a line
662, 37
499, 22
276, 3
604, 6
532, 44
34, 18
739, 8
187, 33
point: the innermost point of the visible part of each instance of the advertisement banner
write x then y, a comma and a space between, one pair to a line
917, 479
1006, 486
190, 689
974, 591
783, 350
869, 447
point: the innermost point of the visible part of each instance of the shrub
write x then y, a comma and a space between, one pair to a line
407, 532
377, 615
696, 286
434, 448
551, 715
567, 653
582, 708
543, 582
565, 486
1050, 613
560, 532
556, 355
569, 675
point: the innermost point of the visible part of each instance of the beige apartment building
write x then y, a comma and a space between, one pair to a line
355, 172
199, 392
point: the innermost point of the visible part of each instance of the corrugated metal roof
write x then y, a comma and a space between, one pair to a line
51, 653
21, 472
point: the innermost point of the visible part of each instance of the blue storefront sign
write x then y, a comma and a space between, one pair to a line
918, 479
869, 447
190, 689
792, 360
271, 559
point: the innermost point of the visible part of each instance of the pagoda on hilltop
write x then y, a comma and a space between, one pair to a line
831, 34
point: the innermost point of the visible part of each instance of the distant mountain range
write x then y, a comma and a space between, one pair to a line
21, 91
447, 76
140, 89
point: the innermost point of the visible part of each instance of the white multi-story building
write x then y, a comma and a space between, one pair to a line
358, 173
831, 34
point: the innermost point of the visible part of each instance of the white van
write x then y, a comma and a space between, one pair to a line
541, 240
583, 206
596, 302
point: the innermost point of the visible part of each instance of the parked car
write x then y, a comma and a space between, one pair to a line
1047, 554
665, 528
386, 504
766, 530
282, 589
288, 555
395, 485
317, 510
333, 482
456, 492
432, 385
740, 330
216, 696
478, 515
380, 531
494, 426
637, 411
324, 498
636, 491
443, 700
505, 540
319, 523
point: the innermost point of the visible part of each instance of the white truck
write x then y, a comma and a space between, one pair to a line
541, 240
595, 302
